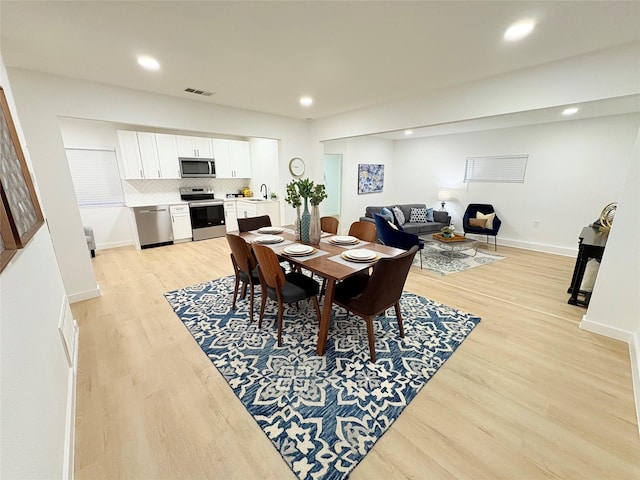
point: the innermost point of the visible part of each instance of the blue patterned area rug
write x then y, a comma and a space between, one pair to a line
440, 261
323, 414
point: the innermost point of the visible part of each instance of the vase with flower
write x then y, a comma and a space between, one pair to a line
299, 194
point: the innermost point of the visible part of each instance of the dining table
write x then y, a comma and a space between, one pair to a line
326, 261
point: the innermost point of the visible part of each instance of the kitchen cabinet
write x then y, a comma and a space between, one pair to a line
148, 155
230, 215
194, 147
233, 158
130, 160
143, 158
180, 223
167, 147
256, 208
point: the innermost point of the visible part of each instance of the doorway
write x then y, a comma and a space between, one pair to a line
332, 165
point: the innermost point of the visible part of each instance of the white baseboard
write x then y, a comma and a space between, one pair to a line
634, 353
86, 295
122, 243
537, 247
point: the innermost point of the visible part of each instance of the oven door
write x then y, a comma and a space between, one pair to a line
207, 219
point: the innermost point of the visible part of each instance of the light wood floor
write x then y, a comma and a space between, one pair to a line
528, 395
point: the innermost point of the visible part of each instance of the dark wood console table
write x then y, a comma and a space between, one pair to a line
591, 245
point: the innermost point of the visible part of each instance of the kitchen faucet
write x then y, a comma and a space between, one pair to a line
265, 190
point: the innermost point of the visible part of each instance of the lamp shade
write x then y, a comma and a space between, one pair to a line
444, 195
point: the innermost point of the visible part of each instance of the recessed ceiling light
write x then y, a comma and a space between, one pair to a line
518, 30
306, 101
148, 63
408, 132
570, 111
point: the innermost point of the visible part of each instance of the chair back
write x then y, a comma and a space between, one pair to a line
241, 253
472, 211
329, 224
270, 270
385, 285
253, 223
387, 235
365, 231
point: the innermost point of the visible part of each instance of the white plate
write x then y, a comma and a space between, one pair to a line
270, 230
297, 249
344, 239
360, 254
268, 239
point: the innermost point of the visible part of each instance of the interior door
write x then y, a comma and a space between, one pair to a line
332, 165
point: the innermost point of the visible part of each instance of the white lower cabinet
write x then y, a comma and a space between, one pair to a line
180, 223
230, 215
248, 208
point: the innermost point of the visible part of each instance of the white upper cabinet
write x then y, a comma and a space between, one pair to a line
194, 147
233, 158
240, 154
168, 155
149, 155
130, 161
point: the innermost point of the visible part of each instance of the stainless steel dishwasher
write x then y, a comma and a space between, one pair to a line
154, 225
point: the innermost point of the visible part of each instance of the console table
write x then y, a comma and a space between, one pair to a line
591, 245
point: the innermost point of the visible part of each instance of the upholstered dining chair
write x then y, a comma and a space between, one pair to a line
280, 287
253, 223
245, 269
365, 231
370, 296
489, 226
329, 224
387, 235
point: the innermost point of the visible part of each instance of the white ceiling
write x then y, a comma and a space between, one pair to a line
264, 55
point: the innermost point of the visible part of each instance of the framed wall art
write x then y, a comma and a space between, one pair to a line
23, 214
370, 178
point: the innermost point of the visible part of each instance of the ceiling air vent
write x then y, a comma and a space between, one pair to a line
198, 92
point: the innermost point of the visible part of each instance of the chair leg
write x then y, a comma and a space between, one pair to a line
244, 290
495, 243
399, 318
323, 288
251, 302
420, 253
279, 324
317, 306
235, 292
262, 305
372, 339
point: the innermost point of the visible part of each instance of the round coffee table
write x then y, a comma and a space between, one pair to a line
452, 247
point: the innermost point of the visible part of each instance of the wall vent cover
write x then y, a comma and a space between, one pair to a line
198, 92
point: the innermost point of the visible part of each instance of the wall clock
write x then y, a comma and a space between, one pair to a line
296, 167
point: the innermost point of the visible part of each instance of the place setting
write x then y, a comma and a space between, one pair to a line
268, 239
270, 230
344, 241
360, 255
301, 251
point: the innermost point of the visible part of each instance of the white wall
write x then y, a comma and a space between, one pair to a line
355, 151
574, 169
42, 99
614, 308
34, 373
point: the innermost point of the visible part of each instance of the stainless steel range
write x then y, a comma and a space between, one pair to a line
207, 212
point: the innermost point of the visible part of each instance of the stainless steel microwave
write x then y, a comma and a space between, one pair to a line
197, 167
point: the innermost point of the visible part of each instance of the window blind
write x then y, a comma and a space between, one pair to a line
504, 169
95, 176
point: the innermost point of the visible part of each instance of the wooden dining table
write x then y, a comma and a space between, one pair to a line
326, 262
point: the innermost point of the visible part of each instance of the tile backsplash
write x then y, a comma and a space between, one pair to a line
149, 192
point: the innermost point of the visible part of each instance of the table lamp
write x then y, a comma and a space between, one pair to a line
443, 196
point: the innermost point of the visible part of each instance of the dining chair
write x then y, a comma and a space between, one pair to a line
329, 224
280, 287
245, 269
370, 296
249, 224
391, 237
365, 231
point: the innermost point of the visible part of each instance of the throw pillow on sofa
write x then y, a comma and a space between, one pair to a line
387, 214
399, 216
421, 215
488, 217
